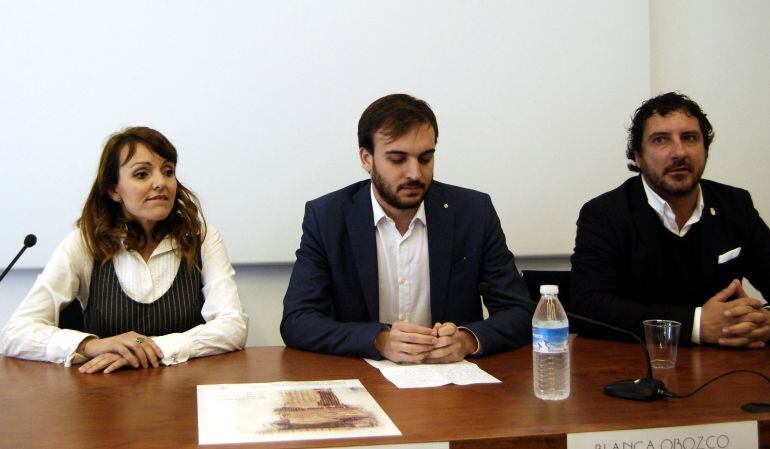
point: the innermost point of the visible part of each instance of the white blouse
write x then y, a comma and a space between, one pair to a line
32, 332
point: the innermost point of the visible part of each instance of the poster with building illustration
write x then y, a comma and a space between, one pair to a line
283, 411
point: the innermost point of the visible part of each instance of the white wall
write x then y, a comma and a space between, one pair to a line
262, 99
717, 52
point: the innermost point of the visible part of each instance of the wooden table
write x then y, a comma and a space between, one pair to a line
45, 405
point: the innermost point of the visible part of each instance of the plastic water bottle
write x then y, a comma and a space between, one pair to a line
550, 346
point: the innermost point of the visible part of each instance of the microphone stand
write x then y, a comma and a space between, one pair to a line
29, 241
645, 389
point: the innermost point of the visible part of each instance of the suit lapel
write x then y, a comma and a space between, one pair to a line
359, 219
439, 214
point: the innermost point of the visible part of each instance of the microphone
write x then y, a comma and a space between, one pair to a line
645, 389
29, 242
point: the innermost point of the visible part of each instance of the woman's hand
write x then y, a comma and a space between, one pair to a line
135, 349
107, 362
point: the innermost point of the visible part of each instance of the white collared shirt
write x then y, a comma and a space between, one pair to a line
666, 214
31, 332
403, 268
668, 218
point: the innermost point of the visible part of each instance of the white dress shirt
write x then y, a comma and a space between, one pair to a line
32, 332
403, 268
668, 218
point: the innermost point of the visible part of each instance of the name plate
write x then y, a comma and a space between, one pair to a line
732, 435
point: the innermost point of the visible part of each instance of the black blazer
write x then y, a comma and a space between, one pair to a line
332, 303
616, 276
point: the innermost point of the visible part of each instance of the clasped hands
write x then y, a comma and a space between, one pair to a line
110, 354
740, 322
408, 342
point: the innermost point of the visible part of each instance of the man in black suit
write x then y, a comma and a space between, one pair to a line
670, 245
389, 267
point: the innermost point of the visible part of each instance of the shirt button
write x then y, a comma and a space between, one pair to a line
402, 281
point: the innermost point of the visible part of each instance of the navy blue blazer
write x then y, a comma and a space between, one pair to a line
616, 266
332, 303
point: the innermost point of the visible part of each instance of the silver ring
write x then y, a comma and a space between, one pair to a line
140, 340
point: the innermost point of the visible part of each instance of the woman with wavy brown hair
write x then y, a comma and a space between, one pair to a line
155, 283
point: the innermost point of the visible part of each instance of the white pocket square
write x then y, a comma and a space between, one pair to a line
730, 255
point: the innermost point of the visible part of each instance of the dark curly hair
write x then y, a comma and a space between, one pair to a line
102, 224
663, 105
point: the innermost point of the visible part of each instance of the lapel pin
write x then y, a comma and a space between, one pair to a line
713, 212
446, 206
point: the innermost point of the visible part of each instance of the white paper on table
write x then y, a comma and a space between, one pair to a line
283, 411
416, 375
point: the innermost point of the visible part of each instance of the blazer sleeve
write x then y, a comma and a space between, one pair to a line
597, 276
308, 309
758, 265
509, 324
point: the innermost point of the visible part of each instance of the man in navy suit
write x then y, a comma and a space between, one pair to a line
389, 267
670, 245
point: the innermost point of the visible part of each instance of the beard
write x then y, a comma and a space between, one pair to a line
678, 188
390, 194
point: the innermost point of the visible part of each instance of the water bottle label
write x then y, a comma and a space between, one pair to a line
550, 340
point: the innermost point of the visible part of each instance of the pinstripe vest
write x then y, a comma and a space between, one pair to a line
110, 311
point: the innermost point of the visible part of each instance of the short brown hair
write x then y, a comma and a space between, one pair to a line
102, 224
393, 115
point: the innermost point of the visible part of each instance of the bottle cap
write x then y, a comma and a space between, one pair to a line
549, 289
